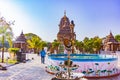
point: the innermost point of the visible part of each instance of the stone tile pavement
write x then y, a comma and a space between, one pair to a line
32, 70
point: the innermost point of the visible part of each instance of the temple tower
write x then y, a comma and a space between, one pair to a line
66, 30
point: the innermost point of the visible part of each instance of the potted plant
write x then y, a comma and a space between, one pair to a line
12, 52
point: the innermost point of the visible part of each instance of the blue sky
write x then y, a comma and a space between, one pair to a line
42, 17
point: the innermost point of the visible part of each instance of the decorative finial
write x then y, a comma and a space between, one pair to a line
64, 12
21, 32
110, 32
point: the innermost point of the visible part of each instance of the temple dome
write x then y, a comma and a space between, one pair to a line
64, 22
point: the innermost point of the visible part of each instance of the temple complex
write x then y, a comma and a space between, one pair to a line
21, 43
66, 29
110, 44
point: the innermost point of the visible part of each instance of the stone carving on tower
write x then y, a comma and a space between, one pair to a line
66, 29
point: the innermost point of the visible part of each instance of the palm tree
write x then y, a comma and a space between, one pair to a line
6, 34
79, 45
34, 43
49, 45
117, 37
55, 45
42, 44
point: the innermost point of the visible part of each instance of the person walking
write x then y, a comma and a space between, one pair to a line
42, 54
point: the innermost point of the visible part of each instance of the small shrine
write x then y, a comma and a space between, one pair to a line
21, 43
110, 44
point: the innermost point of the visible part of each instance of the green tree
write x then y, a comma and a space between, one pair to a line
10, 41
43, 44
117, 37
6, 34
92, 45
55, 45
34, 43
49, 45
97, 43
30, 35
79, 45
88, 45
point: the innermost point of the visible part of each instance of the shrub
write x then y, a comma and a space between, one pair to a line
13, 50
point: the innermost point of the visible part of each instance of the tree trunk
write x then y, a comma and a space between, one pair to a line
3, 50
3, 55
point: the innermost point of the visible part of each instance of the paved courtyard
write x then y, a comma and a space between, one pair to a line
32, 70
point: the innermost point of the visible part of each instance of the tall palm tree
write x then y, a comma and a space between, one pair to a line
34, 43
6, 34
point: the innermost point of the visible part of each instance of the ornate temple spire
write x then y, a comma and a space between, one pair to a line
65, 16
22, 32
64, 12
111, 33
